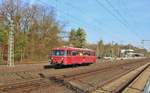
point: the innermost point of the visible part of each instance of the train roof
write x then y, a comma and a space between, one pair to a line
72, 48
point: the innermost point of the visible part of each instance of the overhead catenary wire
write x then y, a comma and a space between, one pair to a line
111, 13
128, 12
99, 26
73, 17
121, 16
83, 11
121, 19
78, 20
117, 12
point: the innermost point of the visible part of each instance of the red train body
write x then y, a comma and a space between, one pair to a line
70, 56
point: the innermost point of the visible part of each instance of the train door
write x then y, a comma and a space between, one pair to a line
75, 57
81, 57
86, 56
68, 57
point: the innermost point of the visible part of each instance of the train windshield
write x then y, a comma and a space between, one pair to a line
58, 53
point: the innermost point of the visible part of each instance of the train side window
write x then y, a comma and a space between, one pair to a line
74, 53
86, 53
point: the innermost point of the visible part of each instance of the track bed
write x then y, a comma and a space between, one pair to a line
82, 79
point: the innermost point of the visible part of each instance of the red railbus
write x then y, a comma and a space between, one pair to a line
70, 56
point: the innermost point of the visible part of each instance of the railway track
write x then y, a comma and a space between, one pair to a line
30, 86
24, 87
84, 81
74, 81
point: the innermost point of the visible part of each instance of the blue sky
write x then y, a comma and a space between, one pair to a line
105, 20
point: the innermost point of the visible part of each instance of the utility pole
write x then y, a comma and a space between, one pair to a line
8, 17
10, 41
97, 51
10, 22
112, 49
112, 52
143, 41
118, 51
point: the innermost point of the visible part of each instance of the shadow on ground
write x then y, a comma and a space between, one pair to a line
64, 66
